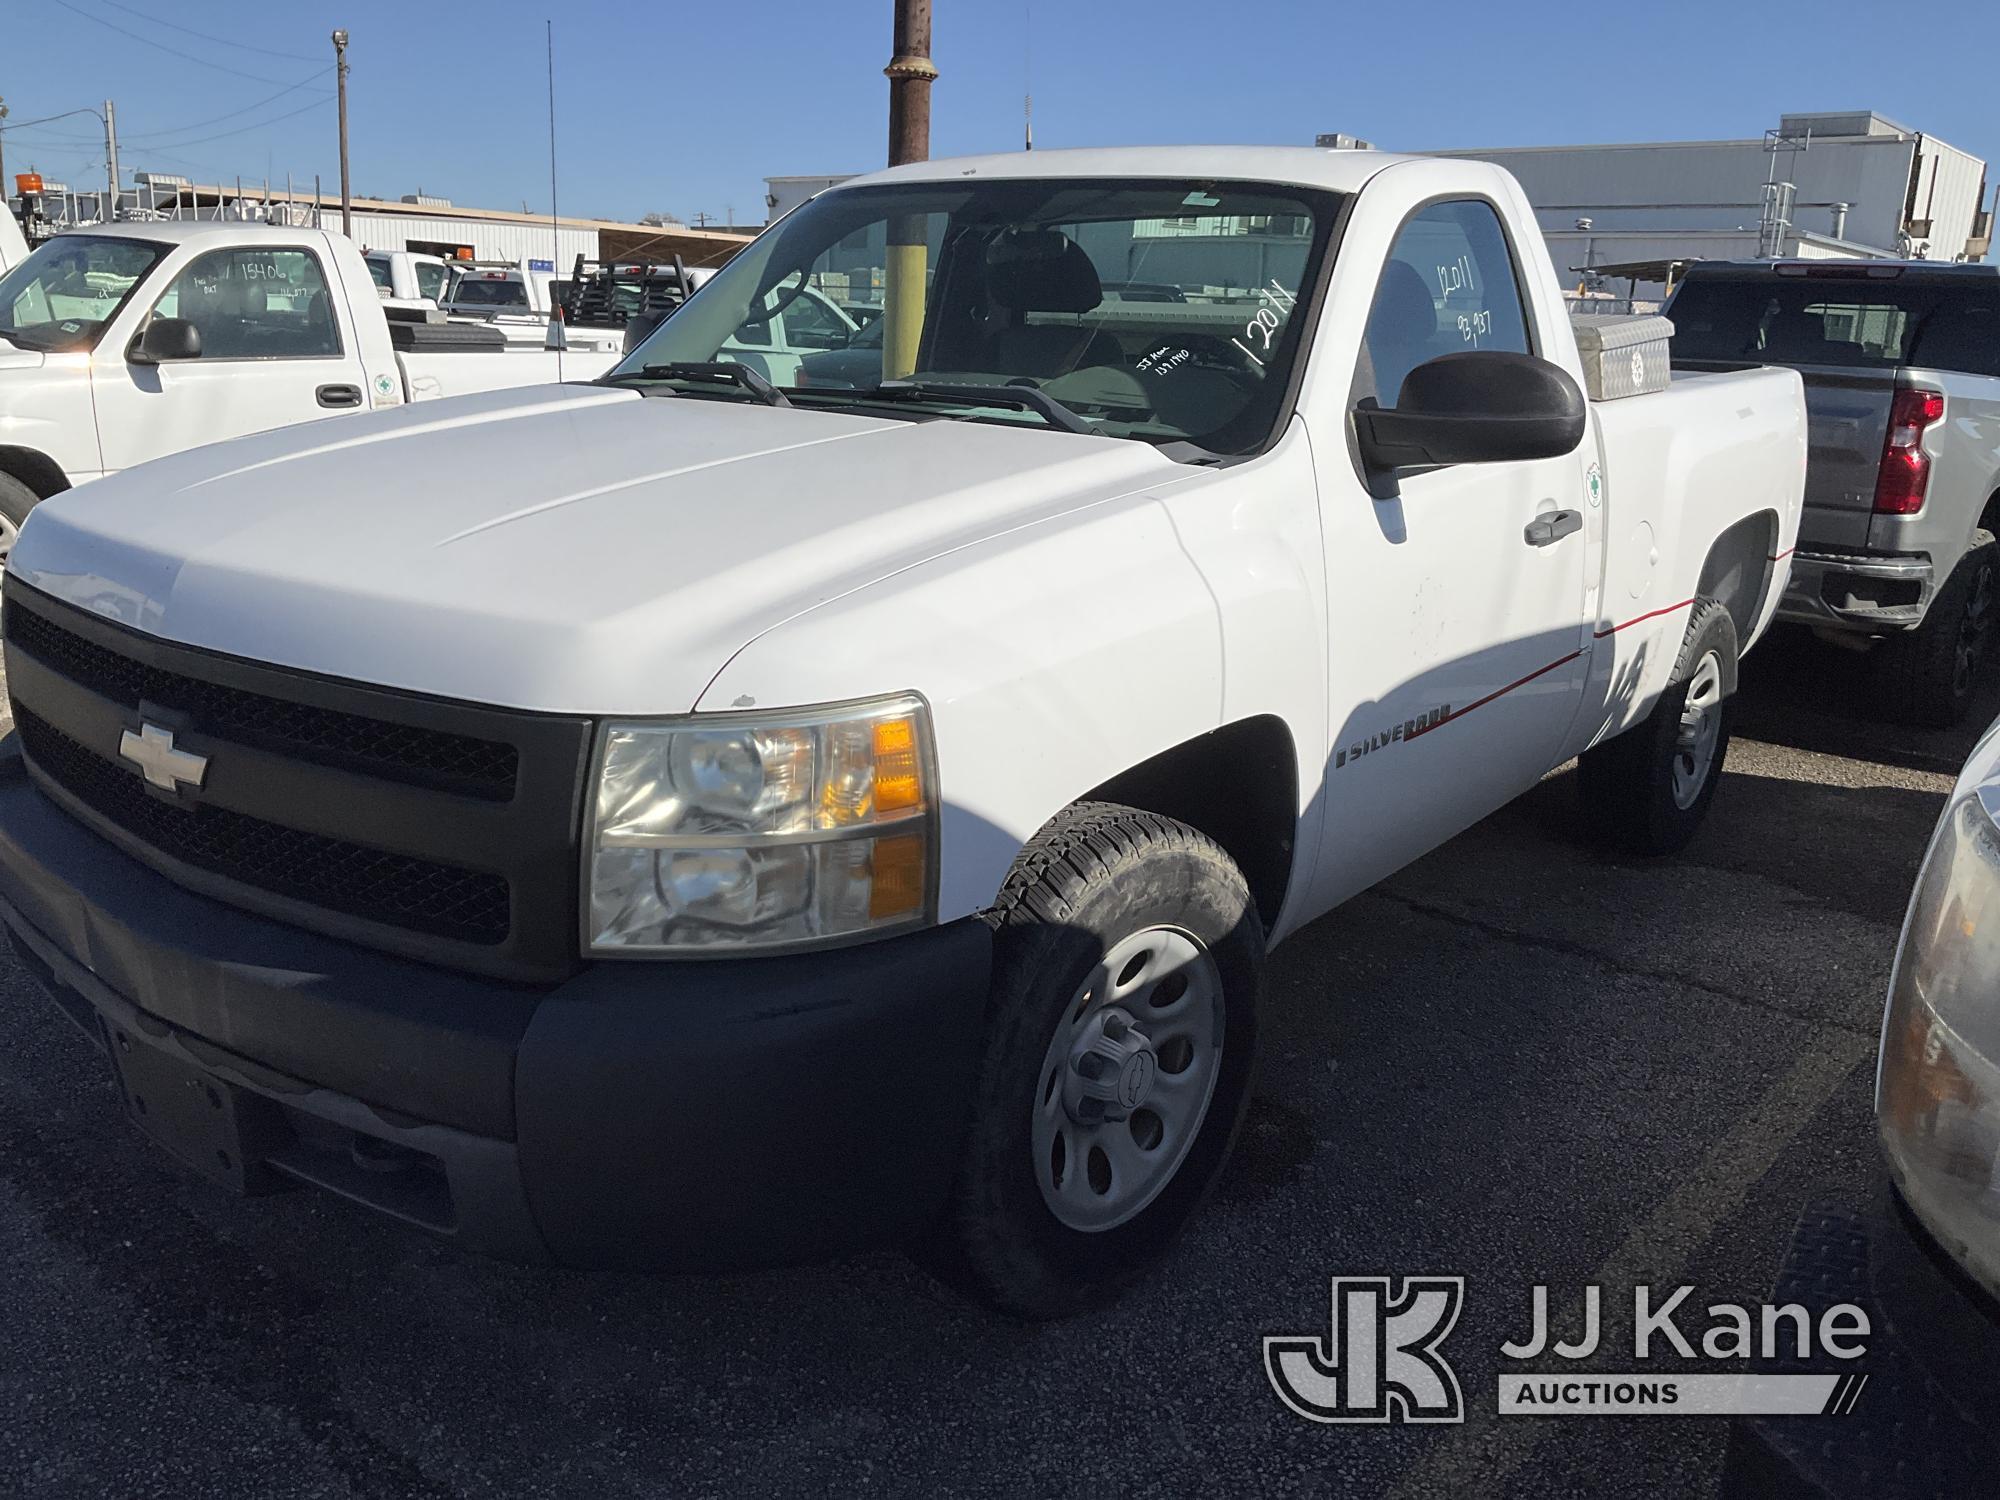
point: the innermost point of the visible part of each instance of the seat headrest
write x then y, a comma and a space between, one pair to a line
1041, 270
1403, 305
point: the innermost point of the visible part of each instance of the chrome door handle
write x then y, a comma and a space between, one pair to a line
1552, 527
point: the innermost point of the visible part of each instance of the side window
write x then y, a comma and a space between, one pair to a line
1450, 284
255, 304
812, 324
430, 280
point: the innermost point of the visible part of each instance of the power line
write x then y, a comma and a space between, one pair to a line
242, 129
162, 46
204, 36
36, 138
45, 119
146, 135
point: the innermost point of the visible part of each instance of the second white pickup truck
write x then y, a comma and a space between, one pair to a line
125, 342
682, 820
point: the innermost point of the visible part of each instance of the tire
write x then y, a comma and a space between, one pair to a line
16, 500
1039, 1222
1646, 791
1928, 676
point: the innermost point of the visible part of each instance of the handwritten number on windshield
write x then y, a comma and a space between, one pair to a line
1275, 304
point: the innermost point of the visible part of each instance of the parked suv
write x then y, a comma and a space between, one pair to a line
1901, 361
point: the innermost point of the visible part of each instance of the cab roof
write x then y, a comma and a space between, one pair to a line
1843, 270
1297, 166
194, 231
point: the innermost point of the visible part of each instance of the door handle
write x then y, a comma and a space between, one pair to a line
1552, 527
338, 395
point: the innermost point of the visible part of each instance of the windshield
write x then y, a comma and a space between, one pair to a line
61, 296
499, 291
1164, 311
1859, 322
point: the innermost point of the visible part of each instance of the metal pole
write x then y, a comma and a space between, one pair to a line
3, 156
110, 215
340, 83
910, 73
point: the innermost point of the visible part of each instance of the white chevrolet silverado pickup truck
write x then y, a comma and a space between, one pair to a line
682, 820
125, 342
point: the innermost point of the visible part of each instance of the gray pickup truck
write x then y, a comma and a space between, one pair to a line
1901, 362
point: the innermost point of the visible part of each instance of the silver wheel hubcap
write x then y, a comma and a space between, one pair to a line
1127, 1078
1701, 726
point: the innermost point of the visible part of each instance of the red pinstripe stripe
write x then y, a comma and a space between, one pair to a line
1599, 635
1780, 557
1561, 661
1459, 713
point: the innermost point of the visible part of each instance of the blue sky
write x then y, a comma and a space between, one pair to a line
687, 107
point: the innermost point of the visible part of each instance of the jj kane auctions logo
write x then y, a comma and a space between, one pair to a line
1381, 1359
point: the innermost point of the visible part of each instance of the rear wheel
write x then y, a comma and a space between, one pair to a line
1120, 1036
1646, 791
1928, 676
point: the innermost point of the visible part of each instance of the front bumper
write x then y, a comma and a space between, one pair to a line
1851, 591
683, 1115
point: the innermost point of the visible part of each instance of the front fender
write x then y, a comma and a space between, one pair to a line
1054, 657
46, 410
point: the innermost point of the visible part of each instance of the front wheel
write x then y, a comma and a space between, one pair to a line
1120, 1037
1646, 791
16, 500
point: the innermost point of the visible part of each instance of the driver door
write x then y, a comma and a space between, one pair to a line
1460, 695
271, 354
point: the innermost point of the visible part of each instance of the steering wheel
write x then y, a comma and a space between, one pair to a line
765, 309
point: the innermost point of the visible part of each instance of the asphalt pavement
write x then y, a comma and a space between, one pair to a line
1517, 1061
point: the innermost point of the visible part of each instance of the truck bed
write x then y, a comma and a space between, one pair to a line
433, 375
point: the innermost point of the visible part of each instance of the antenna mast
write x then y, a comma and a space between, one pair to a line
1028, 77
558, 337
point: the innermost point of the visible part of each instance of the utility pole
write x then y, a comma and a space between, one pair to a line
3, 155
910, 74
340, 83
110, 215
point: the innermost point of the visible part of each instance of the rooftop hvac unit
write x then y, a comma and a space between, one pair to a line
426, 200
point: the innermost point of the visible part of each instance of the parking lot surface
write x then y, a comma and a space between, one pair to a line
1517, 1061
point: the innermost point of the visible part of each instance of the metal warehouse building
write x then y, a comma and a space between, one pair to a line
415, 222
1843, 185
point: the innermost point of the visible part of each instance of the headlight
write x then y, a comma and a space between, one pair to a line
728, 831
1937, 1096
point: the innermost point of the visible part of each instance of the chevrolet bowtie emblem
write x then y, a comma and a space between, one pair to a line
152, 751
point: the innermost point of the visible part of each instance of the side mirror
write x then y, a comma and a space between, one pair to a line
1480, 406
165, 340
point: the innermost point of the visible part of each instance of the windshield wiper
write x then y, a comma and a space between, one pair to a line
712, 373
1013, 397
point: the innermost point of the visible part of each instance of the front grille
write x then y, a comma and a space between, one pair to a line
431, 758
398, 890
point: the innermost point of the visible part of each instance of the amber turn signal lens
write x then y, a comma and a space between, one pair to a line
899, 784
897, 889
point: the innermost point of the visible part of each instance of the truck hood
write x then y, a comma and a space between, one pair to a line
567, 548
13, 357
